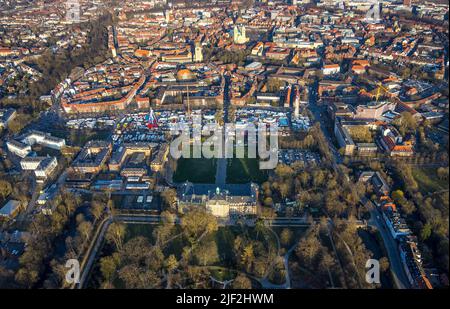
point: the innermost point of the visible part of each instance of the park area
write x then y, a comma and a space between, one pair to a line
428, 180
195, 254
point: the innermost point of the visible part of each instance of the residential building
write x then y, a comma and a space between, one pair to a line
330, 69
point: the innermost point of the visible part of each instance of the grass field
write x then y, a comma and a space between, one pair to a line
195, 170
428, 181
135, 230
245, 170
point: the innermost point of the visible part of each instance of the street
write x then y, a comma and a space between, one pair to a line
396, 265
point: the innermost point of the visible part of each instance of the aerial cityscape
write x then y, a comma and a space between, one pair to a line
224, 144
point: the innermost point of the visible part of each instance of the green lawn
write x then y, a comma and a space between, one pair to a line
222, 273
195, 170
427, 180
245, 170
135, 230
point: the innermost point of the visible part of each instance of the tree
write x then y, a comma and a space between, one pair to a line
242, 282
442, 173
426, 231
248, 257
168, 218
286, 237
406, 123
198, 222
398, 195
327, 261
27, 277
308, 250
268, 201
284, 171
108, 266
97, 209
171, 263
259, 227
116, 234
169, 198
85, 229
80, 218
207, 253
384, 264
284, 189
5, 189
136, 277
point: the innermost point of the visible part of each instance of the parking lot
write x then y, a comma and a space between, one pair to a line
289, 156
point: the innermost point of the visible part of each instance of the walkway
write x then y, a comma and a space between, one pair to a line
221, 172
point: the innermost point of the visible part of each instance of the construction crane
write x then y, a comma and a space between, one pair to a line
386, 90
379, 89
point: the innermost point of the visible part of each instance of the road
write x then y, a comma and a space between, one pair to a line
88, 261
317, 111
226, 97
298, 222
396, 265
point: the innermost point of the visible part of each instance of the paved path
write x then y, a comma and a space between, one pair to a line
221, 172
221, 168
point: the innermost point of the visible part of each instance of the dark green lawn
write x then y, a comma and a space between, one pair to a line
245, 170
195, 170
135, 230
